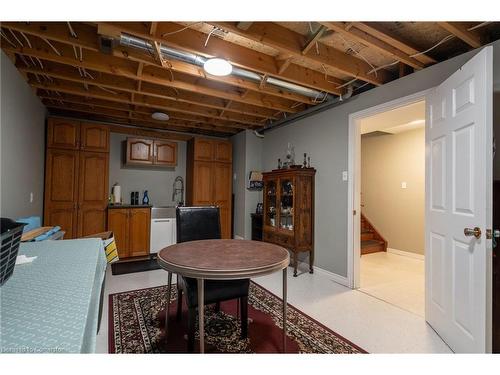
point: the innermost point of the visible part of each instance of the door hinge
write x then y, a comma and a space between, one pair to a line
354, 212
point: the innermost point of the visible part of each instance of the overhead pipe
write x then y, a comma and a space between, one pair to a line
308, 112
195, 59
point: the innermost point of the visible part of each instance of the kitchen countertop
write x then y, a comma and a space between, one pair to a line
111, 206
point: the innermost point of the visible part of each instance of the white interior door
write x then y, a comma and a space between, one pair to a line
458, 196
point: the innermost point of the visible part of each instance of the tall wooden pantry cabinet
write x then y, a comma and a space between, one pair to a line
208, 177
76, 176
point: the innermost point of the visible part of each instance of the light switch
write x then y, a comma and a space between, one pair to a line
31, 197
403, 185
235, 176
344, 176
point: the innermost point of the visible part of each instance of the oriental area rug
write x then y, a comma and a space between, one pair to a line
137, 319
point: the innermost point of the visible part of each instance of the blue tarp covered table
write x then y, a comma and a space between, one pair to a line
52, 304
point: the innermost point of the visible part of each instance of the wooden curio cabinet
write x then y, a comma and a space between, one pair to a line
289, 211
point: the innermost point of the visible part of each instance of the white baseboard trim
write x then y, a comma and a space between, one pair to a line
342, 280
405, 253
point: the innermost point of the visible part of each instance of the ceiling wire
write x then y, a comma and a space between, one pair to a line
26, 38
182, 29
374, 70
16, 38
7, 39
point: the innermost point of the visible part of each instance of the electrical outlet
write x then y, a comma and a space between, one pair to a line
31, 197
403, 185
344, 176
235, 176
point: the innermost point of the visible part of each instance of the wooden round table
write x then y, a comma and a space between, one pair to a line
223, 260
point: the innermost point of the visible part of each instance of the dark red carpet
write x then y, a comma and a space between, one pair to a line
136, 325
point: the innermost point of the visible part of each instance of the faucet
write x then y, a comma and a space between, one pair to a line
177, 189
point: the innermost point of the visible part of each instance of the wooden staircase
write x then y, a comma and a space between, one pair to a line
371, 240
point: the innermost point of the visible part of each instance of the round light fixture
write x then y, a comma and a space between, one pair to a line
218, 67
160, 116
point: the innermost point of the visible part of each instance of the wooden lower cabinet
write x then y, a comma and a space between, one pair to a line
118, 223
91, 220
65, 217
131, 228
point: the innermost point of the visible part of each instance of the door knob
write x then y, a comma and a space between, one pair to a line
476, 232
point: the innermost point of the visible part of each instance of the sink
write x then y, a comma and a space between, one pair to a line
163, 212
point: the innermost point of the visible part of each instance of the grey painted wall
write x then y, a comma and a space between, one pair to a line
158, 181
247, 157
22, 133
325, 137
253, 152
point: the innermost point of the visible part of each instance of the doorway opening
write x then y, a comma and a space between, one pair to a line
392, 200
392, 123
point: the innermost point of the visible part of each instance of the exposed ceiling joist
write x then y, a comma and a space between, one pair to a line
100, 103
461, 32
194, 41
371, 41
313, 39
172, 125
288, 41
86, 40
151, 102
374, 29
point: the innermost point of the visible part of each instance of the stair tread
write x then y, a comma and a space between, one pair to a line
366, 243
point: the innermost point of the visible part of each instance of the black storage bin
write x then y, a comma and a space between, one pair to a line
10, 237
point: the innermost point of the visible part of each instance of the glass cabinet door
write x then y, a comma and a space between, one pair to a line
270, 192
287, 188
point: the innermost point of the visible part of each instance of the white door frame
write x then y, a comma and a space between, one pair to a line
354, 180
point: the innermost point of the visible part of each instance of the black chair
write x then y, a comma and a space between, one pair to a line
203, 223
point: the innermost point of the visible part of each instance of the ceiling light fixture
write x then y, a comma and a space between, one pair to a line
160, 116
218, 67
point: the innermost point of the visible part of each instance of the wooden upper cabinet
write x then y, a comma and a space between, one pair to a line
63, 133
165, 153
94, 137
139, 151
223, 151
203, 149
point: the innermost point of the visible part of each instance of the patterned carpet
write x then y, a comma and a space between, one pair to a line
136, 325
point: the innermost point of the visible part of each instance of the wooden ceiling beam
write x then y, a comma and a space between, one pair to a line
377, 44
87, 39
313, 39
377, 31
134, 127
123, 87
288, 41
256, 107
169, 125
150, 102
194, 41
76, 99
460, 31
157, 89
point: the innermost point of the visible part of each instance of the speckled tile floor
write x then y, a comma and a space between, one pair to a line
396, 279
371, 323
